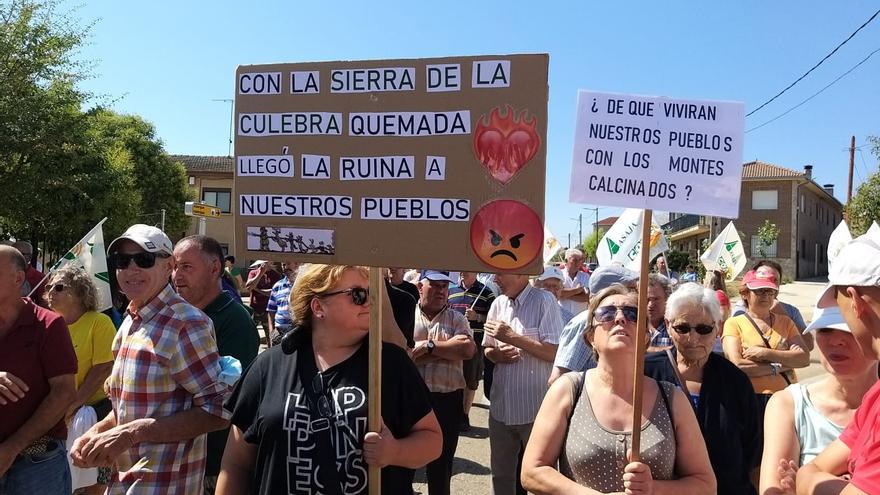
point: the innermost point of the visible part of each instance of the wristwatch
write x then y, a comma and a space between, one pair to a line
431, 346
775, 368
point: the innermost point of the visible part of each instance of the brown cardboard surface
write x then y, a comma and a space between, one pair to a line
440, 244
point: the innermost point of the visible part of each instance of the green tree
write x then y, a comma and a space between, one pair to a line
864, 208
591, 244
676, 260
767, 235
158, 181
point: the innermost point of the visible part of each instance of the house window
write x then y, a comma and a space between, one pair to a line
220, 198
765, 200
225, 248
769, 251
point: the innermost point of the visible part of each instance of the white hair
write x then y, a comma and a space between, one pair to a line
573, 252
692, 294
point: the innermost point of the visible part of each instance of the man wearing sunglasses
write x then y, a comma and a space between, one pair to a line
164, 386
37, 385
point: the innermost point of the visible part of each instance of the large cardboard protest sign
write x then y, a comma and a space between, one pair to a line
420, 163
659, 153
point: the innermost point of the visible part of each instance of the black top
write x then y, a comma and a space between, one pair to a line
271, 409
410, 288
728, 417
403, 305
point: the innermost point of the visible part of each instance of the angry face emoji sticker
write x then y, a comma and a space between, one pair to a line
506, 234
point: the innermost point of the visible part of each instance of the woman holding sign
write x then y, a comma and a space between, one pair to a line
301, 409
585, 421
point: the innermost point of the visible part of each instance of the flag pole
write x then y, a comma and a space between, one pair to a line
641, 330
51, 270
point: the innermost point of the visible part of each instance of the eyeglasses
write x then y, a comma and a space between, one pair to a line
702, 328
56, 288
764, 292
120, 261
604, 314
359, 295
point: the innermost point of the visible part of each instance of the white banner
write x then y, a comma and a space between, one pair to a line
622, 243
551, 245
726, 253
659, 153
90, 255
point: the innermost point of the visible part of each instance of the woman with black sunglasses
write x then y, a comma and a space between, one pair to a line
585, 421
721, 394
299, 413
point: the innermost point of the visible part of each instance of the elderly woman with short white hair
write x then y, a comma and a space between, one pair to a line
720, 393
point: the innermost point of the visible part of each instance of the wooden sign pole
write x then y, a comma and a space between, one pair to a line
641, 330
374, 398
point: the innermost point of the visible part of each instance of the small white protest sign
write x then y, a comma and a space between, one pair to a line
658, 153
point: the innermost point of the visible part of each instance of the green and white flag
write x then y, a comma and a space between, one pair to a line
726, 253
622, 244
90, 255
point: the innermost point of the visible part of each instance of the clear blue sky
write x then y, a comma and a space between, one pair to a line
167, 60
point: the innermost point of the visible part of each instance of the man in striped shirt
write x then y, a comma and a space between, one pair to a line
164, 385
443, 340
279, 319
521, 334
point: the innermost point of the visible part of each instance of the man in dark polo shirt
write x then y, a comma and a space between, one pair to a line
473, 299
37, 384
198, 264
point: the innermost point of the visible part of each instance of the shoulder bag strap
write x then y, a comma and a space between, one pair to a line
662, 391
681, 382
766, 343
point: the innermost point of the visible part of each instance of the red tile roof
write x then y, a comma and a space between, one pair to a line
607, 222
762, 170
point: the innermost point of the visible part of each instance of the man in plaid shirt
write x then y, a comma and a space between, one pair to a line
164, 386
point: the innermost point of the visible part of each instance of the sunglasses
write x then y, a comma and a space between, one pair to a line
359, 295
764, 292
120, 261
701, 329
604, 314
56, 288
323, 405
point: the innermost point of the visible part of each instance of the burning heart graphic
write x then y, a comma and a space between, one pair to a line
504, 144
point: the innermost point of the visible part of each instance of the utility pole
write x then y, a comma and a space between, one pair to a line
163, 220
581, 229
231, 121
569, 241
852, 156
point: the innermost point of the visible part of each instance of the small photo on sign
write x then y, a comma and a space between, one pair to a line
291, 240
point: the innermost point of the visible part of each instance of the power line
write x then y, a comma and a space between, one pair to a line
817, 65
817, 93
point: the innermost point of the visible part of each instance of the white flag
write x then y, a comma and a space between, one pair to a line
726, 253
622, 244
839, 238
551, 245
90, 255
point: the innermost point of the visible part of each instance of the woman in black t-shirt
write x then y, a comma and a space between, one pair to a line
299, 413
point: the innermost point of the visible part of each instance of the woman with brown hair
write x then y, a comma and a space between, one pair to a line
585, 422
300, 410
765, 345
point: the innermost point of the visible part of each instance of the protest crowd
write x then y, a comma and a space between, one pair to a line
169, 391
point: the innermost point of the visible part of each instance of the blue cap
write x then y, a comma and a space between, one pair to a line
605, 276
435, 276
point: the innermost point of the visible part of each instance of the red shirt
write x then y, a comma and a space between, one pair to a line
35, 349
259, 301
862, 436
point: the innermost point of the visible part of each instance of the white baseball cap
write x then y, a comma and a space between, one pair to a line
150, 238
829, 317
551, 272
857, 264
